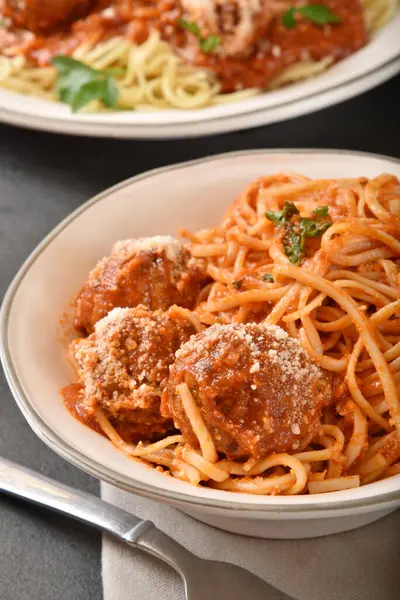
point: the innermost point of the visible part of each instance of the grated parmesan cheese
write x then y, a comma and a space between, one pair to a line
276, 51
109, 13
170, 245
278, 332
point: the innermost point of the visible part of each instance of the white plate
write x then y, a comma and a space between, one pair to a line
40, 114
192, 195
294, 109
215, 126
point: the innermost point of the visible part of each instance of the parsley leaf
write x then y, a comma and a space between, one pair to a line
294, 247
297, 230
321, 211
86, 93
312, 228
275, 217
268, 277
289, 209
78, 84
190, 26
319, 14
207, 44
110, 93
288, 18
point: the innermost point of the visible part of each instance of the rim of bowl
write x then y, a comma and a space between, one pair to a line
67, 451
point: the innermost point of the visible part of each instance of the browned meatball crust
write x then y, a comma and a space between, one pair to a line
123, 367
256, 387
157, 272
45, 15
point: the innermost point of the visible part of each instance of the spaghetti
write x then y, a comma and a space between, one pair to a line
158, 66
335, 303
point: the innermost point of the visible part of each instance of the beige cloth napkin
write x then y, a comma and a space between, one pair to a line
363, 564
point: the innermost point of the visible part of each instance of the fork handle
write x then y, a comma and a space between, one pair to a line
24, 483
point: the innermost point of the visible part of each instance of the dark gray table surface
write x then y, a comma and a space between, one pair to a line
43, 177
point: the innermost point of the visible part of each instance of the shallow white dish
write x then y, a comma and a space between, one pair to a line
192, 195
293, 100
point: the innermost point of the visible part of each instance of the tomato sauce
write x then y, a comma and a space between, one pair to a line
277, 48
73, 400
284, 47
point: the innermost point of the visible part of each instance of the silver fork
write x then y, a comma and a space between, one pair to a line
201, 578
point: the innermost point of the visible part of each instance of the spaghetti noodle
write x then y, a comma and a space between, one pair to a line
338, 298
157, 67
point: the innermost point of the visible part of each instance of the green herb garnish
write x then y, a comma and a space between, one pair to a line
78, 84
238, 284
268, 277
190, 26
288, 211
313, 229
321, 211
294, 246
288, 19
297, 230
207, 44
319, 14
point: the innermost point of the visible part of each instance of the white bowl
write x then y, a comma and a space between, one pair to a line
192, 195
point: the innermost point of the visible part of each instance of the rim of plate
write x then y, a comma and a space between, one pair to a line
67, 451
381, 49
293, 109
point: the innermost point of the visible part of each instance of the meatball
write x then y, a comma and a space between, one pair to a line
256, 388
43, 15
123, 367
157, 272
